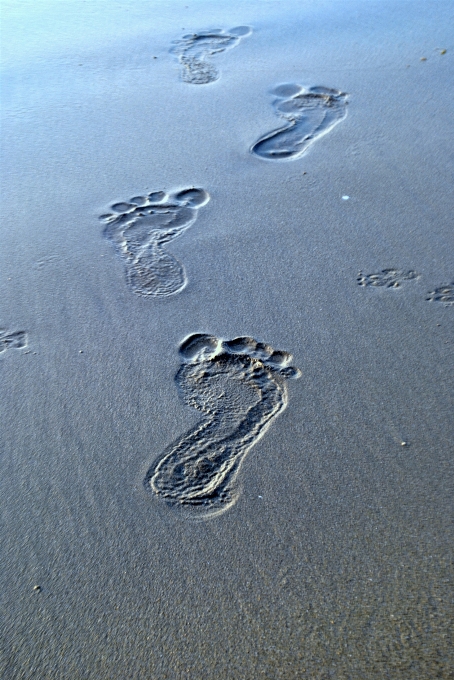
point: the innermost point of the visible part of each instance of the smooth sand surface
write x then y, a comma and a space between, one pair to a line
335, 561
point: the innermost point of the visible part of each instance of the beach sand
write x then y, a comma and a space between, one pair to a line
333, 556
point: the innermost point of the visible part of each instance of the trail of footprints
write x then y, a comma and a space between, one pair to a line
139, 230
240, 387
194, 52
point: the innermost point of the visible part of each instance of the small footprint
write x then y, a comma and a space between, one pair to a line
240, 387
391, 278
12, 340
443, 294
310, 113
139, 230
195, 50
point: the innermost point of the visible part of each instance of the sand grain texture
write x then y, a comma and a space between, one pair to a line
335, 558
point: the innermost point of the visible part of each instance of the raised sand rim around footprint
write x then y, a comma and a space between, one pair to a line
310, 114
240, 387
141, 227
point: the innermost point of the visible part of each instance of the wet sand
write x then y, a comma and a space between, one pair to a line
331, 553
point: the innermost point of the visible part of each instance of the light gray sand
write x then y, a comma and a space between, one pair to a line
336, 559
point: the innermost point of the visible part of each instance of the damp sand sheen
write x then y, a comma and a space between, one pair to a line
240, 387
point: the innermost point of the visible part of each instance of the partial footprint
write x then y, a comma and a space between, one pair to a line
12, 340
310, 114
391, 278
195, 50
240, 387
140, 228
443, 294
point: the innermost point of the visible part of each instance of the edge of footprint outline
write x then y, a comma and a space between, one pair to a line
443, 294
386, 278
288, 92
197, 473
144, 255
200, 71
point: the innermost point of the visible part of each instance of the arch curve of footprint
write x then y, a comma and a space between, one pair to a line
310, 114
141, 227
240, 386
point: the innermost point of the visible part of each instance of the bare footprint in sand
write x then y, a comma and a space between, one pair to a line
443, 294
194, 52
12, 340
139, 230
310, 115
389, 278
240, 387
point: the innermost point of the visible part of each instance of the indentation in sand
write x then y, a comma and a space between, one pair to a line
12, 340
443, 294
139, 230
391, 278
195, 50
310, 114
240, 387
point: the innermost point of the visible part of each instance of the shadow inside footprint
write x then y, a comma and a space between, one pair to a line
140, 228
194, 51
390, 278
240, 387
310, 115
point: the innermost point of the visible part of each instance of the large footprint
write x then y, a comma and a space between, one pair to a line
194, 51
310, 114
140, 228
240, 387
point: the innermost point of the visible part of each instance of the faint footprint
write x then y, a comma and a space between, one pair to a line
195, 50
391, 278
12, 340
139, 230
443, 294
240, 387
310, 114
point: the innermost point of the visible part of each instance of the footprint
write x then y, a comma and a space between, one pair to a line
443, 294
240, 387
391, 278
310, 115
12, 340
139, 230
195, 50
